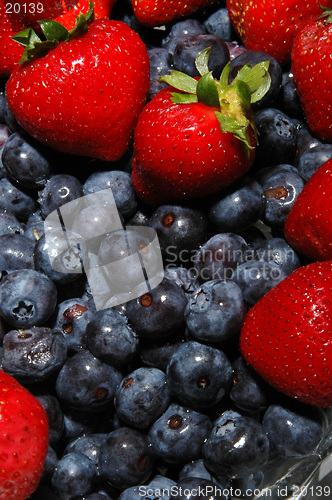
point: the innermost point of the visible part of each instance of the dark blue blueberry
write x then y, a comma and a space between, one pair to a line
122, 188
219, 24
183, 277
280, 191
159, 487
195, 468
72, 318
58, 190
188, 48
74, 476
247, 487
142, 397
98, 496
50, 464
55, 417
256, 278
180, 30
2, 107
58, 256
10, 119
199, 376
277, 251
33, 354
253, 57
294, 430
264, 174
312, 158
27, 298
157, 354
180, 231
198, 488
288, 98
238, 207
77, 423
16, 252
35, 231
126, 458
86, 383
33, 219
249, 392
9, 224
16, 201
216, 311
178, 435
237, 446
111, 339
277, 137
160, 65
26, 161
219, 256
89, 445
158, 313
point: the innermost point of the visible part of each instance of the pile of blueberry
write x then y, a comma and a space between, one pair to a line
154, 395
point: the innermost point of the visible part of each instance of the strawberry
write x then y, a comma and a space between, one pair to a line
286, 336
159, 12
23, 440
308, 227
198, 141
84, 96
271, 25
312, 73
10, 52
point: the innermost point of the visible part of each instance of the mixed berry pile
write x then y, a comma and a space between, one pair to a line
221, 372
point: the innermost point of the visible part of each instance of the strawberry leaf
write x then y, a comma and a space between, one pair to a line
257, 78
53, 30
184, 98
26, 37
202, 60
180, 81
207, 91
224, 76
239, 130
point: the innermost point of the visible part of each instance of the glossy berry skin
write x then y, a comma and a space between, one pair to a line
55, 417
310, 51
271, 26
183, 277
10, 52
249, 392
23, 440
59, 190
276, 251
74, 475
142, 397
290, 325
178, 435
222, 452
158, 483
308, 225
105, 132
294, 430
198, 375
181, 153
15, 200
202, 489
27, 298
126, 458
215, 311
219, 24
89, 445
16, 252
9, 224
308, 161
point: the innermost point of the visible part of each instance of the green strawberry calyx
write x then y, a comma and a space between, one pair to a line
326, 14
233, 100
52, 33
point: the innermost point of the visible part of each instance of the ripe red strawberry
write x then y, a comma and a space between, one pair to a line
308, 227
271, 25
10, 51
158, 12
191, 144
286, 336
84, 96
23, 440
312, 73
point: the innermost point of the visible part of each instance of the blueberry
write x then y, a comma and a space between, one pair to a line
26, 161
219, 24
77, 423
238, 207
157, 354
277, 251
195, 468
288, 98
263, 175
183, 277
180, 30
253, 57
312, 158
294, 430
216, 311
142, 397
33, 354
111, 339
126, 458
50, 464
122, 188
159, 313
188, 48
256, 278
198, 488
159, 487
27, 298
180, 231
160, 65
16, 252
15, 200
178, 435
277, 137
59, 190
9, 224
198, 375
89, 445
2, 107
236, 446
85, 383
55, 417
74, 476
219, 256
247, 486
249, 392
